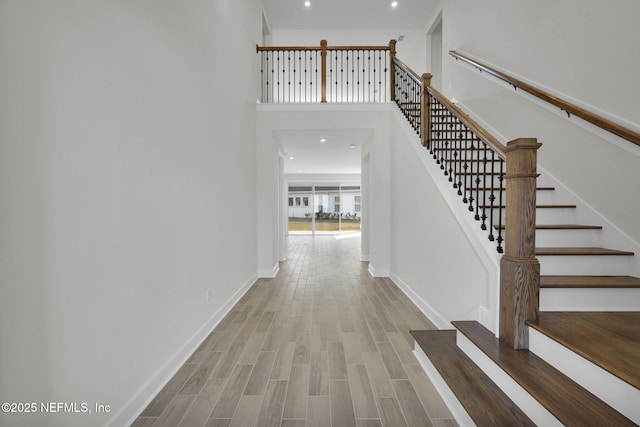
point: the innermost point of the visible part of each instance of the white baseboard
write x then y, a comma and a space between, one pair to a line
425, 308
132, 408
269, 274
374, 272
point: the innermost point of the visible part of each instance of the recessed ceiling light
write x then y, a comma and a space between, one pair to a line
394, 4
307, 3
291, 157
323, 140
352, 146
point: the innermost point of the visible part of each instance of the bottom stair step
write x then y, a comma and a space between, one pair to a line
485, 403
610, 340
566, 400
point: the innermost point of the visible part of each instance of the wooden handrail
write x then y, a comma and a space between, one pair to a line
273, 48
408, 69
566, 106
473, 126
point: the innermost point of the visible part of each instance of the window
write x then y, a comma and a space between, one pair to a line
357, 204
290, 201
336, 202
297, 201
305, 201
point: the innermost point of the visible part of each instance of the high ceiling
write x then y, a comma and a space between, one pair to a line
310, 156
348, 14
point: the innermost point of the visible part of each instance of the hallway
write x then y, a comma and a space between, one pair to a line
322, 344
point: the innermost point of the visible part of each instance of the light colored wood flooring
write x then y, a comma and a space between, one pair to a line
322, 345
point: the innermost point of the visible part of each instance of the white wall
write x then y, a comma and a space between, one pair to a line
430, 253
582, 50
122, 125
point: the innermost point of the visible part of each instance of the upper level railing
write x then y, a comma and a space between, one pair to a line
566, 106
352, 74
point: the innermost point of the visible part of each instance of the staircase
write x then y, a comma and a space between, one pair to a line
583, 363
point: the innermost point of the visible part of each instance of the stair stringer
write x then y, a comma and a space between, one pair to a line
478, 238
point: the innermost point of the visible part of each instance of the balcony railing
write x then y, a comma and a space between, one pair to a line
336, 74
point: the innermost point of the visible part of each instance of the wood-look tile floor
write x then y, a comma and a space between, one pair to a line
322, 345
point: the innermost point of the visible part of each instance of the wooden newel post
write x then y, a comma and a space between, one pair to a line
425, 111
519, 268
392, 69
323, 58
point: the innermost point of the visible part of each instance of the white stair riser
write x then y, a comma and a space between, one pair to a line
589, 299
564, 238
556, 216
616, 393
586, 265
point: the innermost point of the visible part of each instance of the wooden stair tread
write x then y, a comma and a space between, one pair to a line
589, 282
537, 206
611, 340
589, 251
562, 227
484, 401
474, 188
559, 394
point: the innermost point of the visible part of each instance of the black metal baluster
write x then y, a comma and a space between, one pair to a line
500, 179
460, 159
370, 97
483, 217
471, 162
451, 153
419, 95
385, 79
341, 75
318, 85
477, 180
353, 78
278, 76
465, 200
288, 76
492, 196
358, 87
456, 155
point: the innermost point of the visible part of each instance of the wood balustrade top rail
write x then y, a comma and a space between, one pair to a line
275, 48
566, 106
471, 124
409, 70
